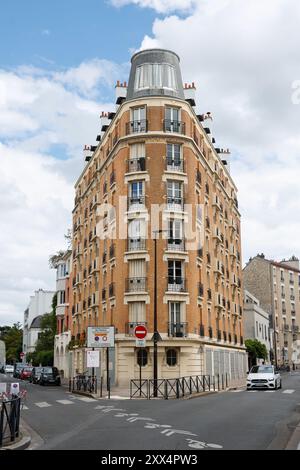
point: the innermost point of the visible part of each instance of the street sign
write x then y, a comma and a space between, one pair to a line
14, 388
140, 332
92, 358
140, 343
100, 337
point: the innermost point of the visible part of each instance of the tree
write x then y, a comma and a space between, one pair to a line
13, 339
256, 350
44, 350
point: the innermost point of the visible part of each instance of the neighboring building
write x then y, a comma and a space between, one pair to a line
155, 150
62, 355
257, 323
2, 354
40, 303
276, 285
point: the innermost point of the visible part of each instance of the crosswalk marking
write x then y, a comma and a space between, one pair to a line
288, 391
24, 407
269, 391
237, 391
65, 402
86, 399
42, 404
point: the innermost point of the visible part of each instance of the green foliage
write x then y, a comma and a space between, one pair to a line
13, 339
256, 349
44, 350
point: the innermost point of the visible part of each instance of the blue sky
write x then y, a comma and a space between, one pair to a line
67, 32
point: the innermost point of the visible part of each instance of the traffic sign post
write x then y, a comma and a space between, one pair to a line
140, 333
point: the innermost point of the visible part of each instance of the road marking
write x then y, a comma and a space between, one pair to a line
253, 391
42, 404
170, 432
24, 407
237, 391
86, 399
65, 402
269, 391
288, 391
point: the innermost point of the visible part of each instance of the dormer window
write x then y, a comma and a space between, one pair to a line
155, 76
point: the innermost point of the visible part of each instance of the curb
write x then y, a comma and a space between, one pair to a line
294, 441
22, 444
198, 395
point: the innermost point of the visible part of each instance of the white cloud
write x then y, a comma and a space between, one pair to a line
45, 119
161, 6
244, 58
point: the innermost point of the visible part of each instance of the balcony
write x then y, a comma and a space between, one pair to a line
136, 203
136, 164
135, 127
130, 326
136, 284
286, 327
295, 328
174, 126
292, 297
201, 330
176, 284
177, 330
175, 203
175, 165
175, 244
136, 244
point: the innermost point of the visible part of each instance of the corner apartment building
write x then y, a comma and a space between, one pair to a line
40, 303
154, 152
277, 286
62, 355
257, 323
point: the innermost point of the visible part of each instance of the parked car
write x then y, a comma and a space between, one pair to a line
35, 375
17, 369
264, 376
50, 375
8, 369
25, 373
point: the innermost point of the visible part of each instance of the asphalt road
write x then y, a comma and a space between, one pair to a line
226, 420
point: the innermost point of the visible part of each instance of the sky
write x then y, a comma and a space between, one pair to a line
59, 62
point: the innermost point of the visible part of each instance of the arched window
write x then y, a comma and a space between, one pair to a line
142, 357
172, 357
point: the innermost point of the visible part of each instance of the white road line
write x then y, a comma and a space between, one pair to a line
24, 407
65, 402
253, 391
42, 404
237, 391
288, 391
86, 399
270, 391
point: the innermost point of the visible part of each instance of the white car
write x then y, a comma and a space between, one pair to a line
8, 369
264, 376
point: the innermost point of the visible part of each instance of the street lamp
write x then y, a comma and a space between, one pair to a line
155, 334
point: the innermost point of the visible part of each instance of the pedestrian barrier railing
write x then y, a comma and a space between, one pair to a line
9, 419
178, 387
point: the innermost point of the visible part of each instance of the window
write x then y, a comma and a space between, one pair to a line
173, 155
171, 357
155, 76
142, 357
138, 121
174, 193
175, 231
174, 272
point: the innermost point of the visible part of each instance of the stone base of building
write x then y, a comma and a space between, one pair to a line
177, 357
62, 355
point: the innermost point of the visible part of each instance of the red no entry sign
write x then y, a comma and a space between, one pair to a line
140, 332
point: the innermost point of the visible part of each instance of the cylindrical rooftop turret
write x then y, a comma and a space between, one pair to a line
155, 72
